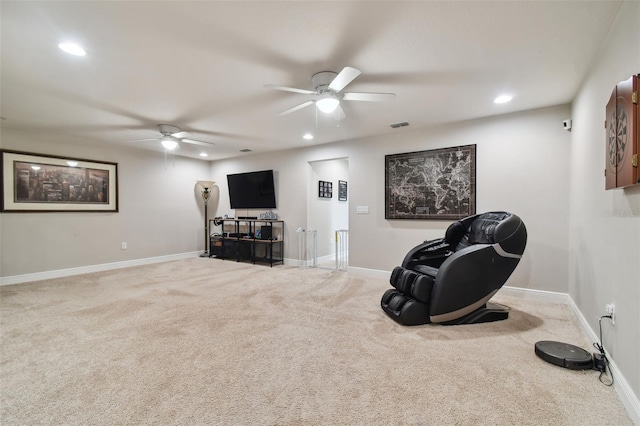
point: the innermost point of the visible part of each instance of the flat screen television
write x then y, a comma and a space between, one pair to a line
254, 190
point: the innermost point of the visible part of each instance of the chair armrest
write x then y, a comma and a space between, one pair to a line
430, 253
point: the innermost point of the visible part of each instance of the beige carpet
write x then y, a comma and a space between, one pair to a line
204, 341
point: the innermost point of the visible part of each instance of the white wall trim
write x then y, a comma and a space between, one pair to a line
18, 279
624, 391
293, 262
620, 384
374, 273
531, 294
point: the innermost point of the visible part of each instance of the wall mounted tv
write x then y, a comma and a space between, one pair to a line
254, 190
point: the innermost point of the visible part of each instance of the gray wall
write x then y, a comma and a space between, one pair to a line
604, 243
160, 212
522, 166
582, 239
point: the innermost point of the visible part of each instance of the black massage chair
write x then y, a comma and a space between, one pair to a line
450, 280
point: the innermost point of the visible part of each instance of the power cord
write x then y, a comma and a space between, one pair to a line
600, 361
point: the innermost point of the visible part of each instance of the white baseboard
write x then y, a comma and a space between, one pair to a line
624, 391
296, 262
628, 398
530, 294
18, 279
307, 263
374, 273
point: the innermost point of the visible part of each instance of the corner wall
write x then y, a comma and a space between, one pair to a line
604, 244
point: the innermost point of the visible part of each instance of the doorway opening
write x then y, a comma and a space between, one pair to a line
326, 239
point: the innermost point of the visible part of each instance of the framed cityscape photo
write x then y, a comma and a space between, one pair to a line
47, 183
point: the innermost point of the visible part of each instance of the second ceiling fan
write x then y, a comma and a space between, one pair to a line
171, 136
327, 86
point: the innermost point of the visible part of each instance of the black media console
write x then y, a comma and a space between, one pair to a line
249, 240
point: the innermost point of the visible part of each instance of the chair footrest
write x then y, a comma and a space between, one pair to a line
412, 284
404, 309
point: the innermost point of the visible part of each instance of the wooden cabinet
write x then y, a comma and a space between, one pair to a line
253, 240
622, 135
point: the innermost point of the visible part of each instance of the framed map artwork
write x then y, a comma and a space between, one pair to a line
434, 184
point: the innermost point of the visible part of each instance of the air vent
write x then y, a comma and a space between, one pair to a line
245, 150
400, 124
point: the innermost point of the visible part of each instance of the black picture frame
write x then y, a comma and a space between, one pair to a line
325, 189
431, 184
34, 183
342, 190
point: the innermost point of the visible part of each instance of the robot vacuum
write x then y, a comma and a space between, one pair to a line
564, 355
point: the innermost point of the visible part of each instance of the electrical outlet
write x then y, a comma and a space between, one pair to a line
123, 246
610, 309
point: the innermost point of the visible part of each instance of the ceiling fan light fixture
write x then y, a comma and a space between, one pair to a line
169, 143
503, 99
72, 49
327, 103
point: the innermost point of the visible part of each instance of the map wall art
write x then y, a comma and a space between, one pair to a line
433, 184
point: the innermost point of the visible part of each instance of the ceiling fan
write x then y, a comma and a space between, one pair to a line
172, 136
327, 86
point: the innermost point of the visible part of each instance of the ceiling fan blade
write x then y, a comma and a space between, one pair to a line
180, 135
339, 113
295, 108
195, 142
290, 89
346, 76
370, 97
145, 140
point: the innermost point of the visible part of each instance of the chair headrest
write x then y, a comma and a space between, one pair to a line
483, 229
488, 228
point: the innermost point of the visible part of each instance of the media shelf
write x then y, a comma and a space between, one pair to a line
252, 240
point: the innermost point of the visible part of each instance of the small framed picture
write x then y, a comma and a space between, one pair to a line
342, 190
325, 189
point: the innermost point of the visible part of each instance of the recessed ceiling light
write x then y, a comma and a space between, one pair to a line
204, 154
72, 49
503, 99
308, 136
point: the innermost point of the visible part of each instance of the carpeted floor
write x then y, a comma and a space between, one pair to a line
204, 341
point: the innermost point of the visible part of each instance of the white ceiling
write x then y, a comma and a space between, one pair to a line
203, 66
